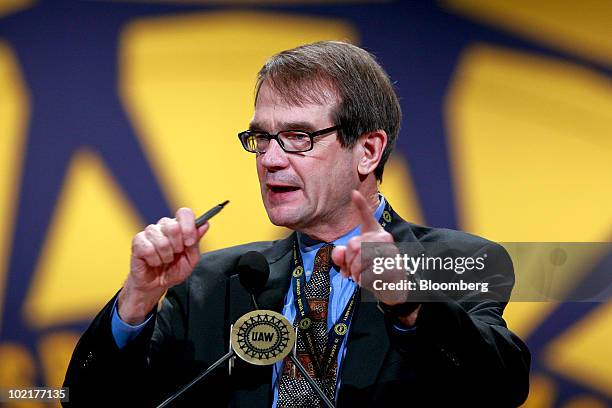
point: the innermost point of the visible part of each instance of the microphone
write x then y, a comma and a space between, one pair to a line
253, 272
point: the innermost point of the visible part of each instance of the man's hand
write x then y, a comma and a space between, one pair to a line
349, 258
163, 255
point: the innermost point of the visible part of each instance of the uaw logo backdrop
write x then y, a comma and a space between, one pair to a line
114, 114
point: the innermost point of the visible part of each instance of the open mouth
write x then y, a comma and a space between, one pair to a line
283, 189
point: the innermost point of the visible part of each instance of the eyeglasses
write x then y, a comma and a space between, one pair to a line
291, 141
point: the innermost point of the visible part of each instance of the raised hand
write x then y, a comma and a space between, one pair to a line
163, 255
351, 263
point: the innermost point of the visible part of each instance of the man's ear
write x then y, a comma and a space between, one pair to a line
372, 147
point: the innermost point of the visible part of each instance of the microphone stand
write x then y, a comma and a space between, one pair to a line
198, 378
230, 354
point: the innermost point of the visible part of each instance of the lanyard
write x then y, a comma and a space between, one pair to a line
337, 332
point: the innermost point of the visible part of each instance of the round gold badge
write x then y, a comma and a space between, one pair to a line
387, 216
262, 337
340, 329
305, 323
298, 271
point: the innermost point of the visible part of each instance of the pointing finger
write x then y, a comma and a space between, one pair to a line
368, 222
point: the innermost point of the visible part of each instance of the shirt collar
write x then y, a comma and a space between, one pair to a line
308, 244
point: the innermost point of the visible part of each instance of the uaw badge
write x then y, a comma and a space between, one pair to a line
262, 337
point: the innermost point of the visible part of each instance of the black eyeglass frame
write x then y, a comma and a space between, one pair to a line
270, 137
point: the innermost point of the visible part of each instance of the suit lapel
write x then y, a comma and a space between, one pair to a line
272, 297
366, 348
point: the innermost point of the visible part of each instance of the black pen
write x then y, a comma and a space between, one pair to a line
209, 214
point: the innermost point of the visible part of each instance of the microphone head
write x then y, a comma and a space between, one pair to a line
253, 271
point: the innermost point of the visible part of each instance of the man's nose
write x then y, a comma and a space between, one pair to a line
274, 157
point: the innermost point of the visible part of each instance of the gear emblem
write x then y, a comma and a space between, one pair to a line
262, 337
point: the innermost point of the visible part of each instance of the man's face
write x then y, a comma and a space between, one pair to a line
303, 190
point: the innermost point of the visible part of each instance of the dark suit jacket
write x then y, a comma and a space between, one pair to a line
461, 352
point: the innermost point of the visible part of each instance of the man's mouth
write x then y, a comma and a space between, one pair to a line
282, 189
279, 192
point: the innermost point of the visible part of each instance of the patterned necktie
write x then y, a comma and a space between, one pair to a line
294, 390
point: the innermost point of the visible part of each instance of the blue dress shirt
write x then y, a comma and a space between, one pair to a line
341, 291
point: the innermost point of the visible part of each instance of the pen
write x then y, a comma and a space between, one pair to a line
209, 214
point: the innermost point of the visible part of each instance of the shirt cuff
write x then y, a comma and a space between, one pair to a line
123, 333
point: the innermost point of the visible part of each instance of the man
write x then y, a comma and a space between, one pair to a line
326, 119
